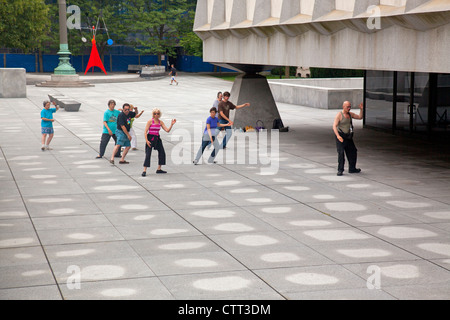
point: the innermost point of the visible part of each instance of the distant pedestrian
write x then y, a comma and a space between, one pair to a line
210, 136
47, 124
123, 133
173, 74
343, 129
224, 115
217, 101
109, 128
153, 141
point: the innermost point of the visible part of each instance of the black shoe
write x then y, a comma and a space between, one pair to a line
356, 170
339, 173
161, 171
144, 174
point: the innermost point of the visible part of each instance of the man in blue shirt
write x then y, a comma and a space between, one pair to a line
209, 135
109, 128
47, 124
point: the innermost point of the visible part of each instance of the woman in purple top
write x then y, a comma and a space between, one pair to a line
153, 140
209, 135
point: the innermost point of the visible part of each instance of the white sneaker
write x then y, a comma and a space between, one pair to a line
48, 148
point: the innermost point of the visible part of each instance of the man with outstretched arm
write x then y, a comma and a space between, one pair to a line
224, 115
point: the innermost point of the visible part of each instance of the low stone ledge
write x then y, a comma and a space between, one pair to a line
70, 105
13, 83
65, 81
153, 72
318, 93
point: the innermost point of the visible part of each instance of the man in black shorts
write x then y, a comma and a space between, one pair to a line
173, 74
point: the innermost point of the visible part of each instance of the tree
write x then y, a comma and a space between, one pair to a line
188, 39
192, 44
158, 24
23, 24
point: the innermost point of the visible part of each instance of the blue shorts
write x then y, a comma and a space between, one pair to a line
47, 130
122, 139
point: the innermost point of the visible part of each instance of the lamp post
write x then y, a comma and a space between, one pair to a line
64, 76
64, 67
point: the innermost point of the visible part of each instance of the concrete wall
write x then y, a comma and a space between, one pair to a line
13, 83
398, 35
318, 93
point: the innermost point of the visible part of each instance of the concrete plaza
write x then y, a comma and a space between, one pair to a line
76, 227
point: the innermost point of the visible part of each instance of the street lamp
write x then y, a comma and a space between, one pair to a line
64, 67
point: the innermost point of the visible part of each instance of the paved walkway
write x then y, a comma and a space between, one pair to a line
223, 231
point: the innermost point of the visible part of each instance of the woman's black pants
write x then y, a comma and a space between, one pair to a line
156, 143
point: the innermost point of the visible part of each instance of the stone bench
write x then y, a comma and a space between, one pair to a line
153, 72
68, 104
13, 83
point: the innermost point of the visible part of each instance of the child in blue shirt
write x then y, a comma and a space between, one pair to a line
47, 124
209, 135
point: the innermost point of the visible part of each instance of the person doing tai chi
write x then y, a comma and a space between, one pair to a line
224, 115
153, 141
343, 130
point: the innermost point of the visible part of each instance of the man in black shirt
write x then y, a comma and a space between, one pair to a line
173, 73
123, 132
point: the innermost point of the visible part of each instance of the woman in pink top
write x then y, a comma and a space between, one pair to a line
153, 141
